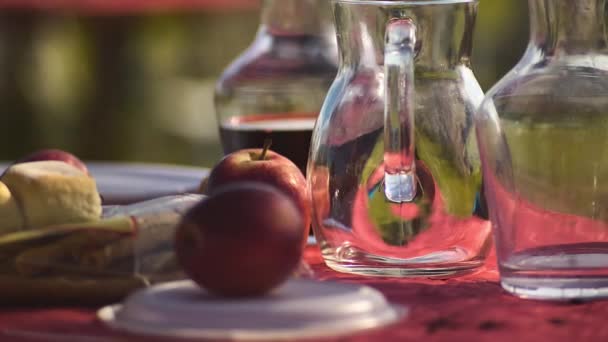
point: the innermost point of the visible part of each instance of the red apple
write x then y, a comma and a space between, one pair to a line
54, 154
243, 240
263, 165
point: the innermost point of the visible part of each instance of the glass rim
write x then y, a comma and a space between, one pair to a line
404, 2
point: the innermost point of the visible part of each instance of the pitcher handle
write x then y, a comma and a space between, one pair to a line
399, 158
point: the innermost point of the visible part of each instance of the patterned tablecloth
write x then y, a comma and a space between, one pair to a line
469, 308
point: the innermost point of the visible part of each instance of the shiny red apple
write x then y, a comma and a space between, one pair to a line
266, 166
55, 154
243, 240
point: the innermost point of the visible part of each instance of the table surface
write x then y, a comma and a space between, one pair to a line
471, 308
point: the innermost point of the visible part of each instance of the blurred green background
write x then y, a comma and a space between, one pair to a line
137, 84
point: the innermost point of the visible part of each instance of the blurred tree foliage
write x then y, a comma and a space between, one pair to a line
501, 37
139, 87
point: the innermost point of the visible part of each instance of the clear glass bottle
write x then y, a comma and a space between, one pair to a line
276, 87
394, 171
543, 137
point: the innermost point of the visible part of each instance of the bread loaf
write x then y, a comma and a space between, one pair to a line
53, 192
11, 218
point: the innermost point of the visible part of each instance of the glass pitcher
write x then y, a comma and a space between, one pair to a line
276, 87
394, 170
543, 137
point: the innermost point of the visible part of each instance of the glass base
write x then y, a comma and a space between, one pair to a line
558, 272
440, 264
556, 288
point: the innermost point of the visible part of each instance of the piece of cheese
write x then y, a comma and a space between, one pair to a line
11, 218
53, 192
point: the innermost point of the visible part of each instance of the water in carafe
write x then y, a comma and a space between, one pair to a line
394, 169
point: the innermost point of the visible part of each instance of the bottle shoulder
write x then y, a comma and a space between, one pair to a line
571, 76
271, 59
550, 90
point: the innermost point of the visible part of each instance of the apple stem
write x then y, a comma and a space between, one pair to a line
267, 144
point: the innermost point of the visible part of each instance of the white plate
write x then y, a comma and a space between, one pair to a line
122, 183
299, 309
128, 183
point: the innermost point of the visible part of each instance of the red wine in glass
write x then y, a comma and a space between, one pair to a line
290, 134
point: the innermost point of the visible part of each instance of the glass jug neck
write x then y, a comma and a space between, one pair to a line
568, 27
444, 31
293, 17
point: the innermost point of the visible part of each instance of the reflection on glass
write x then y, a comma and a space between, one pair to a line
543, 136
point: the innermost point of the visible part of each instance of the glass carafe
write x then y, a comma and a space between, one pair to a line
276, 87
394, 170
543, 137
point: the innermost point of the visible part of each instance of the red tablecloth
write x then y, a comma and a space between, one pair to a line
470, 308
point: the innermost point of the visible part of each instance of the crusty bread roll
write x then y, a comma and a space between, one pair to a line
10, 215
53, 192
